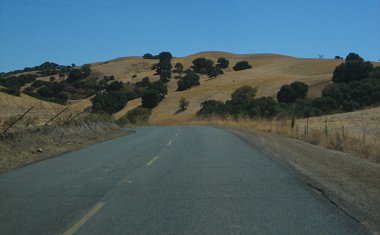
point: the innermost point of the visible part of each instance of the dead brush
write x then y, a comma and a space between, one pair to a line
315, 137
28, 121
338, 139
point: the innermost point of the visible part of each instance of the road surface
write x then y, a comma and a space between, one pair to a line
165, 180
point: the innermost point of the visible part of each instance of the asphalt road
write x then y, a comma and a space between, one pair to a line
165, 180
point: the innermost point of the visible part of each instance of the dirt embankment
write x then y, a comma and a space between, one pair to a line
351, 183
30, 145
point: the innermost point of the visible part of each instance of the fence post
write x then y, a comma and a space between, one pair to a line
293, 123
76, 115
18, 119
55, 116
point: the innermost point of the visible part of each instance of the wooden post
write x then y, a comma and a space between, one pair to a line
293, 122
60, 138
76, 115
18, 119
55, 116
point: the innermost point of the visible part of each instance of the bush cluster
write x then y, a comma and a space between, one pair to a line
150, 56
151, 93
164, 66
13, 83
44, 69
109, 102
137, 115
242, 65
290, 93
189, 80
242, 104
116, 95
207, 67
77, 74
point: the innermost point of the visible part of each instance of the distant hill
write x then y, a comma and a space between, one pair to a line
269, 73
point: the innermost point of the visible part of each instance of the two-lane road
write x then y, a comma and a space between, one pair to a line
165, 180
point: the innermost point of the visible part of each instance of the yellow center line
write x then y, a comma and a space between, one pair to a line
84, 219
153, 160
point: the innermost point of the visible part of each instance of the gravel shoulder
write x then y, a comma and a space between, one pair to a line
351, 183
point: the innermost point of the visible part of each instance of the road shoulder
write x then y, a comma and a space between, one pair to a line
351, 183
29, 146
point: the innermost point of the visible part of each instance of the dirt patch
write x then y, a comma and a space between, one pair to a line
351, 183
23, 147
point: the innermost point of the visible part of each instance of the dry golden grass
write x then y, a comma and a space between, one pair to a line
124, 68
13, 105
362, 124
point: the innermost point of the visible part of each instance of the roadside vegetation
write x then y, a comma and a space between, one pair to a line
355, 85
27, 141
137, 116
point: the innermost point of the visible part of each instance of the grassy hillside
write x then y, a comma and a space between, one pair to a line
269, 73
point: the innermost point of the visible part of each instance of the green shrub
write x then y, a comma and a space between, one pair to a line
115, 86
39, 83
138, 115
211, 108
223, 62
78, 74
17, 81
202, 65
242, 98
290, 93
242, 65
264, 107
326, 104
214, 71
11, 90
183, 104
150, 99
178, 68
164, 66
376, 72
109, 102
150, 56
61, 98
189, 80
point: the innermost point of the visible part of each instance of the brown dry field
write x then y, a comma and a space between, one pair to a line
362, 124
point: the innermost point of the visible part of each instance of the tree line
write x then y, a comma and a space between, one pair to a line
355, 85
187, 78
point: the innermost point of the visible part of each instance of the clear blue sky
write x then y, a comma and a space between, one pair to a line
85, 31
